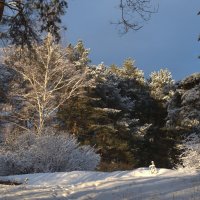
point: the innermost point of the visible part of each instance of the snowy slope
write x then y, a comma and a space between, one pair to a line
138, 184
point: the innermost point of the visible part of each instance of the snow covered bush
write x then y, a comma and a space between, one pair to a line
190, 157
47, 153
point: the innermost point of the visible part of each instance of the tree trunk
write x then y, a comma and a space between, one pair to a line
1, 8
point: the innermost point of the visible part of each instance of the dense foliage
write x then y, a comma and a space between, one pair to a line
25, 21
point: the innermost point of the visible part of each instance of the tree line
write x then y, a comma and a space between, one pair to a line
128, 119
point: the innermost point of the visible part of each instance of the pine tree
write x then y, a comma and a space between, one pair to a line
161, 85
28, 20
129, 70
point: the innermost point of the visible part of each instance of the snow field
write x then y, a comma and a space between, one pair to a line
138, 184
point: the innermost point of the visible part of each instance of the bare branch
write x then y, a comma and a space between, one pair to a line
133, 14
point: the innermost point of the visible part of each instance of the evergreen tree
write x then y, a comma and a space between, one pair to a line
27, 20
104, 117
78, 54
183, 115
183, 109
161, 85
129, 70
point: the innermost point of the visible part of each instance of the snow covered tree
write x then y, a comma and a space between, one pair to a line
183, 109
78, 54
161, 85
92, 117
129, 70
190, 158
45, 79
183, 114
111, 131
50, 152
104, 117
151, 116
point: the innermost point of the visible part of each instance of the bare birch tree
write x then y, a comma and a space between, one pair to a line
46, 79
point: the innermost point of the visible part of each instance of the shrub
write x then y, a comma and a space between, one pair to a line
47, 153
190, 157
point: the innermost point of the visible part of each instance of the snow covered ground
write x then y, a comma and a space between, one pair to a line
138, 184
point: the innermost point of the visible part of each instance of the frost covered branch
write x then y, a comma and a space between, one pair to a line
46, 78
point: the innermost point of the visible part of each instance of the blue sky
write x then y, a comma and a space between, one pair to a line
168, 40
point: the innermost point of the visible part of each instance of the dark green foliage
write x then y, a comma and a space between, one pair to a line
160, 146
93, 123
27, 20
102, 119
115, 117
124, 122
